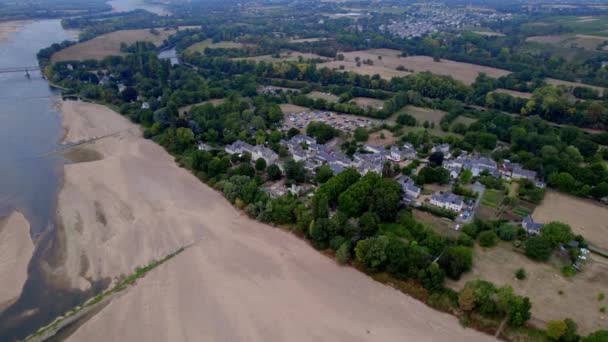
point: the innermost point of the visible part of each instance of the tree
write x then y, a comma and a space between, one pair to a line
466, 299
487, 238
556, 233
368, 224
260, 164
521, 274
320, 206
465, 176
321, 131
129, 94
456, 260
538, 249
319, 232
295, 171
506, 232
324, 173
432, 277
360, 134
274, 172
371, 252
556, 329
386, 199
436, 159
598, 336
183, 139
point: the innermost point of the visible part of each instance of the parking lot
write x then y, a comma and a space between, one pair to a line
344, 122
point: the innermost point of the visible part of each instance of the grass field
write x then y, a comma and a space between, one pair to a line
586, 217
325, 96
376, 138
423, 114
440, 225
288, 56
591, 25
365, 103
492, 198
208, 43
214, 102
543, 283
465, 120
515, 93
109, 44
289, 108
573, 84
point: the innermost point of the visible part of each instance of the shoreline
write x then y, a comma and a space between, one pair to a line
231, 257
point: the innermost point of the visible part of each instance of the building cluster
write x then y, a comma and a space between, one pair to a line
257, 151
338, 121
478, 164
422, 19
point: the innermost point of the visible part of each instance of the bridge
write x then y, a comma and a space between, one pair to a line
22, 69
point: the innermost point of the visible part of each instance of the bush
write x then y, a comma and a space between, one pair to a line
521, 274
343, 254
568, 271
465, 240
487, 239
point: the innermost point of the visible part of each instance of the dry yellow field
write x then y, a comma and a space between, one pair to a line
586, 217
187, 108
386, 62
109, 44
573, 84
579, 298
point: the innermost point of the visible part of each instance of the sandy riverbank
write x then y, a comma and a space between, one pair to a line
8, 27
240, 281
15, 254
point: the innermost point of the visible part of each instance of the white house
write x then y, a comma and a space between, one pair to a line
447, 200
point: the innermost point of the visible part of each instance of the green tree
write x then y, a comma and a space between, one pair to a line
556, 329
323, 174
295, 171
371, 252
260, 164
432, 277
274, 172
487, 238
360, 134
456, 260
538, 249
598, 336
556, 233
368, 224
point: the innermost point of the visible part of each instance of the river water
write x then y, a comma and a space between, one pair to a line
30, 127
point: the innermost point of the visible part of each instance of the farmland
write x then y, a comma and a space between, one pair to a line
586, 217
572, 84
492, 198
109, 44
543, 284
214, 102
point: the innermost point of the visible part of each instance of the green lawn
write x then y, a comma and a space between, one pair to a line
492, 198
521, 211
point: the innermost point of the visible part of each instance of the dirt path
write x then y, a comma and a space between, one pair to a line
240, 281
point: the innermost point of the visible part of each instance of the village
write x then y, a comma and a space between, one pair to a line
461, 208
